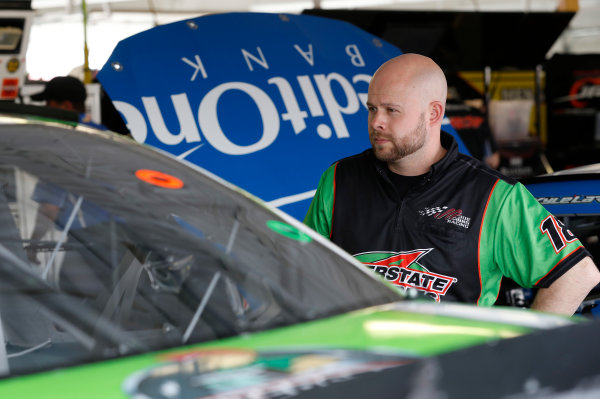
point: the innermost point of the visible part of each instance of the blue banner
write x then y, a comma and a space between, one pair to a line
265, 101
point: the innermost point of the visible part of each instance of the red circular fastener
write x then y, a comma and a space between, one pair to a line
159, 179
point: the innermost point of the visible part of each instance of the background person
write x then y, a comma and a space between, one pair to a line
67, 93
432, 220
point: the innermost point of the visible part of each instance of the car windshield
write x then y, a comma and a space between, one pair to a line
109, 248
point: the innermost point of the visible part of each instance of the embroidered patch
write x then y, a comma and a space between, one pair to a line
450, 215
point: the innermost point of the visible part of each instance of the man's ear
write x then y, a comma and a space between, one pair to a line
436, 113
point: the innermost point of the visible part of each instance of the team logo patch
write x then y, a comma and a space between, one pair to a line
403, 270
450, 215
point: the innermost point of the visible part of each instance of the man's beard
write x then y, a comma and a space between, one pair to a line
401, 147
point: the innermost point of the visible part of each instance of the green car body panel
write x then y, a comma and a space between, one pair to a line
381, 328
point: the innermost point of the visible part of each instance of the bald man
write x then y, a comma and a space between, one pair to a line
436, 222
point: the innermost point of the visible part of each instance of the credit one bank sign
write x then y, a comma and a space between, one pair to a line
265, 101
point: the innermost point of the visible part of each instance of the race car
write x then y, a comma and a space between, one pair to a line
126, 272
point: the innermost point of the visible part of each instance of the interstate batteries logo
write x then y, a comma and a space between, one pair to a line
403, 270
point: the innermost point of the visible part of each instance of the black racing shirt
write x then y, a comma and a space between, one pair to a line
452, 235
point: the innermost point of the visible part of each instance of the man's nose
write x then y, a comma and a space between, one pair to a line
377, 120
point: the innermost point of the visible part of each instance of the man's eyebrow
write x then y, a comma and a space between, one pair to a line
384, 105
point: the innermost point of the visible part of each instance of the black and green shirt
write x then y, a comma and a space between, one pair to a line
452, 235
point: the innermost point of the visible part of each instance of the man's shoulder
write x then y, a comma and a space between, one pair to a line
365, 156
477, 167
361, 168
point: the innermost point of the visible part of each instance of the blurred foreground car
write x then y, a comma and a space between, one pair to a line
125, 272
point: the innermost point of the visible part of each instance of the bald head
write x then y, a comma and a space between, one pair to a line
415, 74
406, 103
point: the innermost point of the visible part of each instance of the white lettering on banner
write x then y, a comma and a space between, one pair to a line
310, 95
314, 106
134, 120
362, 78
352, 50
209, 121
293, 114
355, 58
332, 106
208, 124
198, 66
308, 55
262, 61
185, 116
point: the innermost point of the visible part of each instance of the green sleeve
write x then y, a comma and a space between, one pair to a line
520, 238
320, 212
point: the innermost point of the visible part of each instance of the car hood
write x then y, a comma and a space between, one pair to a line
290, 358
